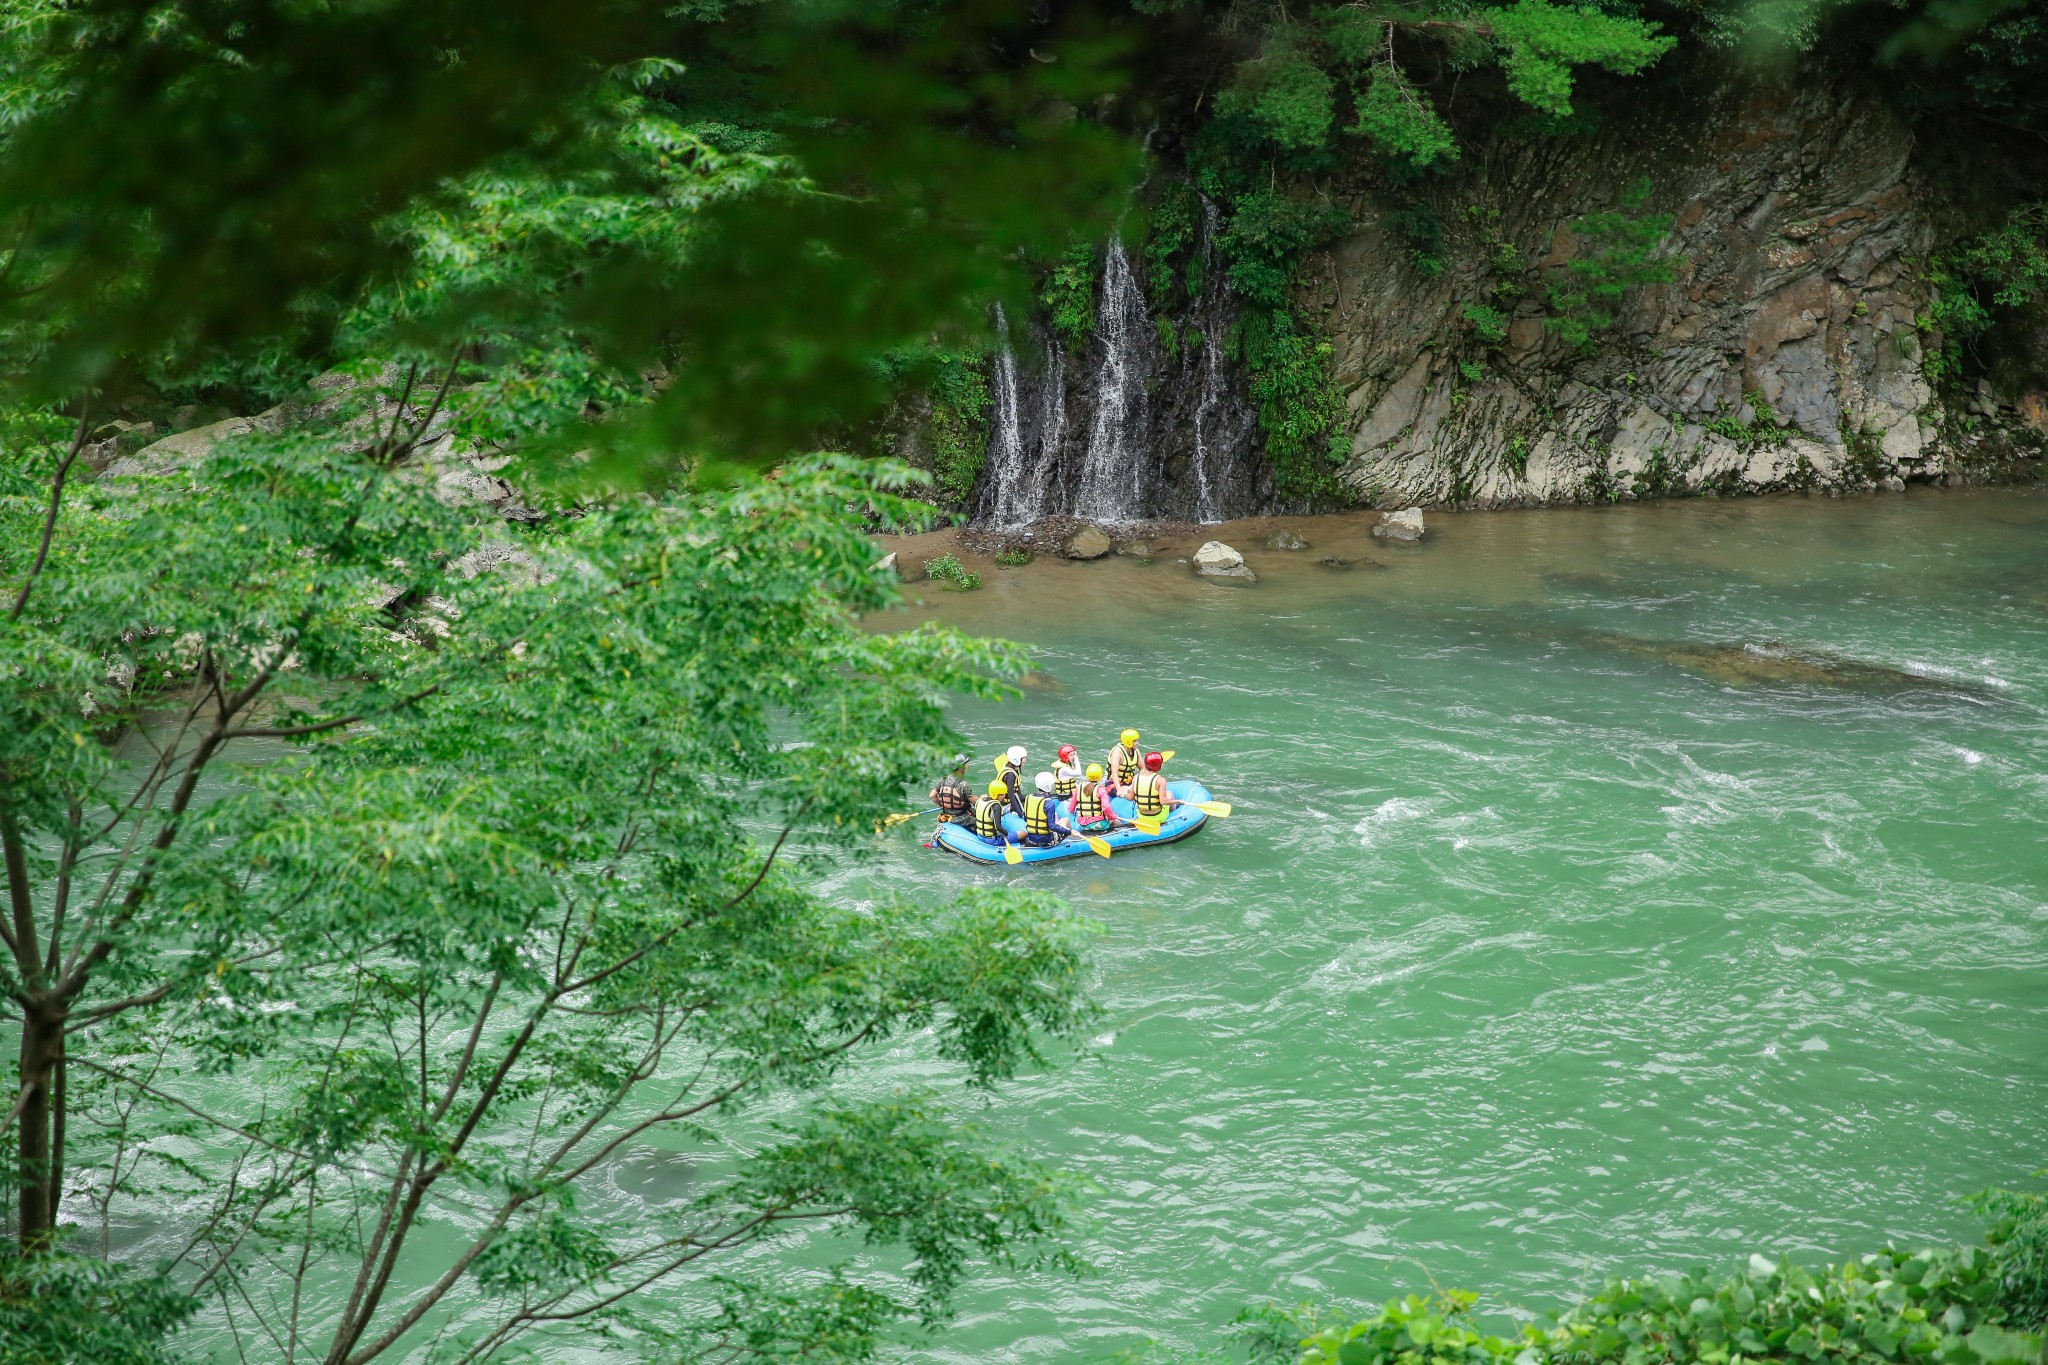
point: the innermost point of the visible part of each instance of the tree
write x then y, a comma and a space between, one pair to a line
399, 860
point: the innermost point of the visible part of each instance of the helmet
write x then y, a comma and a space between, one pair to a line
1152, 762
1130, 738
1016, 754
1066, 753
998, 790
1094, 772
1045, 782
961, 760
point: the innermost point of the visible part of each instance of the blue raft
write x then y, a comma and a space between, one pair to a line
1178, 823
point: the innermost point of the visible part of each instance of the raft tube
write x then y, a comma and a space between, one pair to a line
1177, 823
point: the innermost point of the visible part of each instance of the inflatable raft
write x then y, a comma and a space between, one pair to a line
1178, 823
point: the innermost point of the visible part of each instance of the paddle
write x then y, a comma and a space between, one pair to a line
1012, 854
1211, 807
891, 821
1147, 824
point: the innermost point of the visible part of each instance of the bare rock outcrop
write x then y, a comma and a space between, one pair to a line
1785, 352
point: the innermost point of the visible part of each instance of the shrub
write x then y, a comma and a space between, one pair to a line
949, 570
1069, 293
1614, 258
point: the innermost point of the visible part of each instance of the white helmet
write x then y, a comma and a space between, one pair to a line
1016, 753
1045, 782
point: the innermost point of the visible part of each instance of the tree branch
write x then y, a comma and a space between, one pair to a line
42, 555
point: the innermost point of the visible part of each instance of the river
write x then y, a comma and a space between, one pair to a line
1609, 891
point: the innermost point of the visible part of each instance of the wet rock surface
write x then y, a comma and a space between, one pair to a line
1217, 560
1784, 353
1404, 525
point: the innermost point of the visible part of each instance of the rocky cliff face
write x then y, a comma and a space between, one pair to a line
1786, 350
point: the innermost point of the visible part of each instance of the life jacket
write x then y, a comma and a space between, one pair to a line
1088, 804
1007, 774
951, 797
1125, 761
1063, 786
1038, 816
988, 817
1149, 793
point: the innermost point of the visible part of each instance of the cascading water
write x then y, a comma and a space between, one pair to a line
1222, 422
1018, 495
1116, 464
1161, 426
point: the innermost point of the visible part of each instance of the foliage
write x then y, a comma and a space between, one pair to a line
1889, 1306
1401, 124
57, 1309
1540, 44
1068, 293
1615, 255
955, 383
2019, 1238
1171, 232
353, 125
1266, 237
1489, 324
1282, 94
949, 570
460, 958
1013, 556
1983, 279
1763, 428
1300, 409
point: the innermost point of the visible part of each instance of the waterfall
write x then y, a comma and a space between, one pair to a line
1148, 430
1222, 423
1116, 461
1027, 425
1015, 493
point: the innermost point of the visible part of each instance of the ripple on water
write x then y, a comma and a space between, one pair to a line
1529, 957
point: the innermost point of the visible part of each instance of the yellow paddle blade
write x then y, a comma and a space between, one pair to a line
1012, 854
1165, 754
891, 821
1148, 823
1213, 807
1099, 845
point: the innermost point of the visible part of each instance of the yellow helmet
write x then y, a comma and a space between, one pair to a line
1130, 739
998, 790
1094, 772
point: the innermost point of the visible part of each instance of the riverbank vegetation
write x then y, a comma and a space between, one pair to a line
1971, 1305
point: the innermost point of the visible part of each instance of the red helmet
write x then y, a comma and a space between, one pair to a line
1152, 761
1066, 753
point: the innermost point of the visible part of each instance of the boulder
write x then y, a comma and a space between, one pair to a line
1892, 483
1285, 540
1090, 542
911, 570
1405, 524
886, 564
1136, 549
1217, 560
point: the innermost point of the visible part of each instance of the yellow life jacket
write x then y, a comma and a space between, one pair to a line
1125, 761
1038, 815
1063, 786
988, 817
1150, 793
1088, 804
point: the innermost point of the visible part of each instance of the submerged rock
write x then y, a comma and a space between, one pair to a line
1285, 540
1405, 525
1217, 560
1090, 542
1753, 665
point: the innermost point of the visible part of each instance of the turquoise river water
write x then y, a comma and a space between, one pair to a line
1609, 891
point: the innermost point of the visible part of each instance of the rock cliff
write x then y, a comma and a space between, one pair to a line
1785, 351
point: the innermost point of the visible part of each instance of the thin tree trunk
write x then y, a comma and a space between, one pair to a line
42, 1046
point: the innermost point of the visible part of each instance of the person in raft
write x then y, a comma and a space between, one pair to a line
1010, 772
989, 811
1091, 804
1067, 776
955, 802
1149, 793
1122, 763
1042, 825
